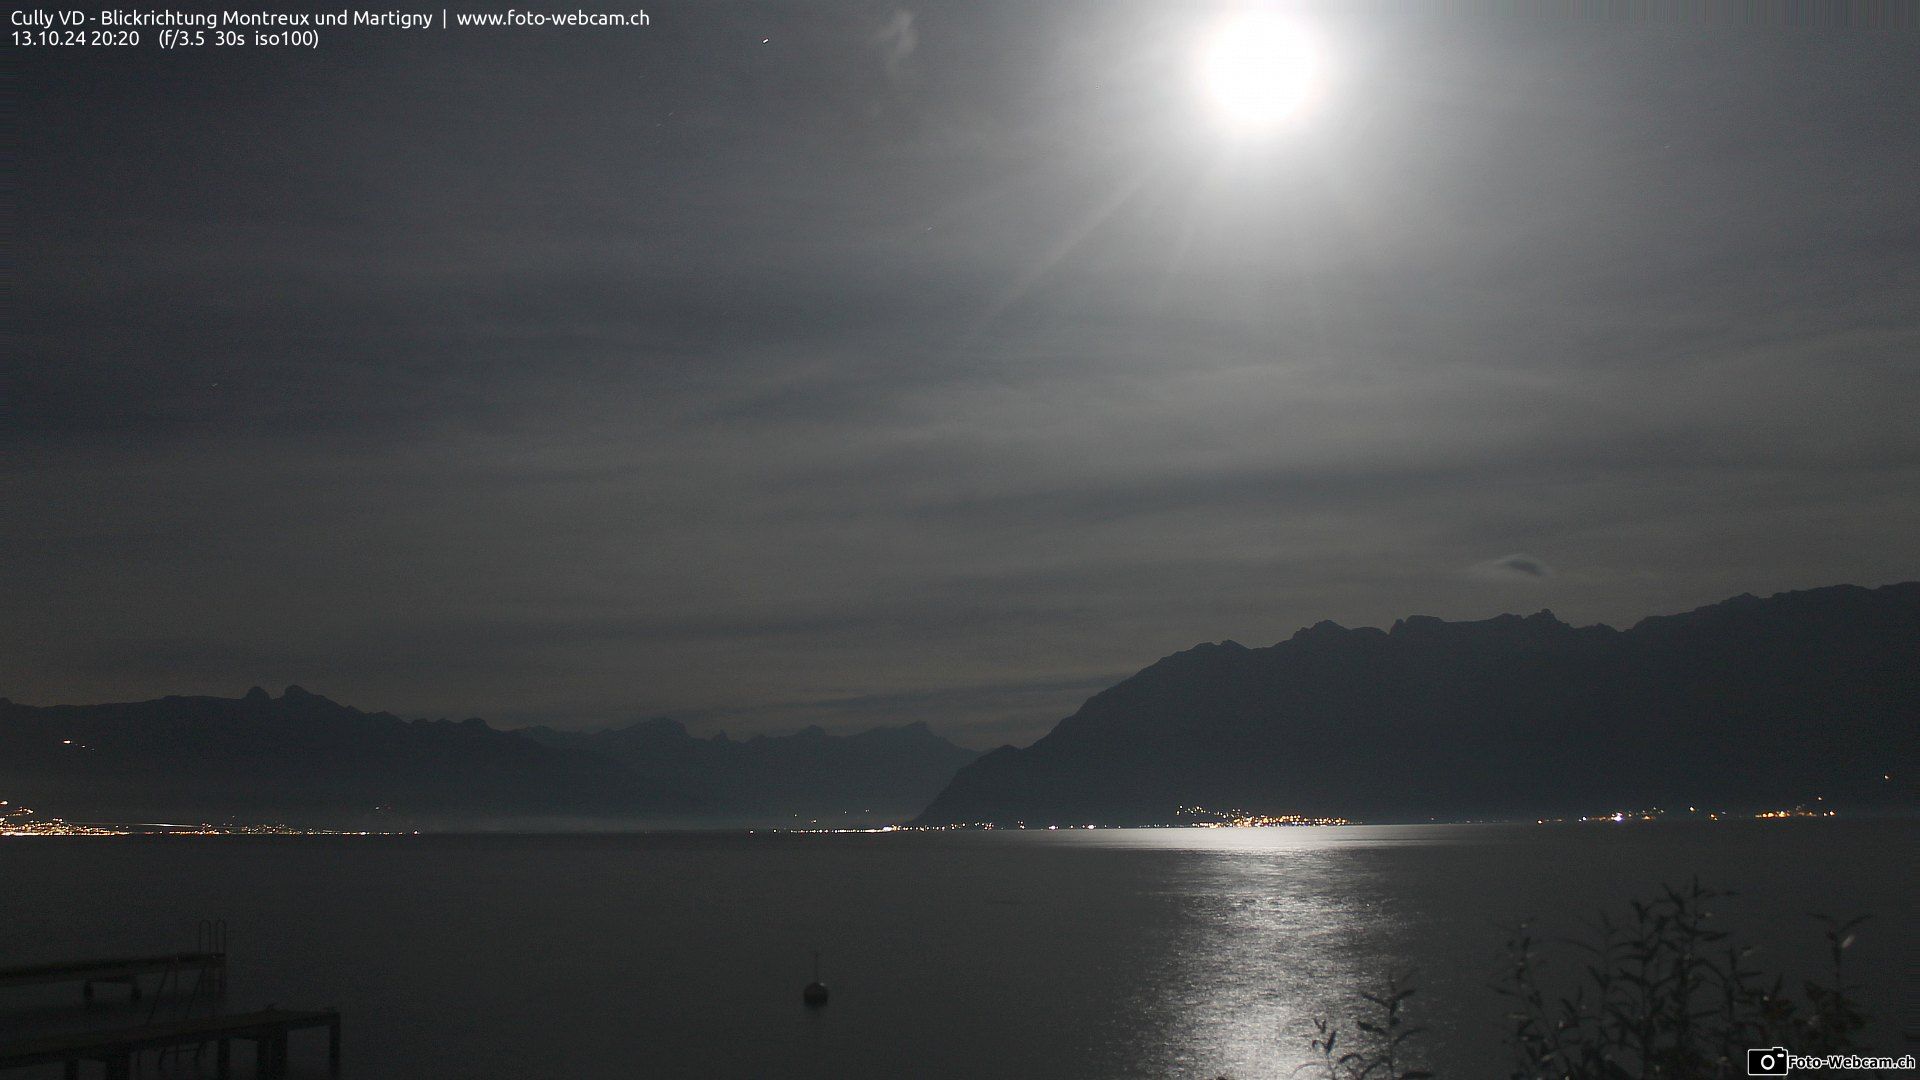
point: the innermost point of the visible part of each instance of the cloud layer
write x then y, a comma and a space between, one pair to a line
884, 364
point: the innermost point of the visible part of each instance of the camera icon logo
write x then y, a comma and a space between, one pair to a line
1769, 1062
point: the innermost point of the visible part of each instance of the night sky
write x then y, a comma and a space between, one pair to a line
860, 363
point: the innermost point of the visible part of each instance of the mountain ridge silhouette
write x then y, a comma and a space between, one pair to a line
1747, 703
304, 759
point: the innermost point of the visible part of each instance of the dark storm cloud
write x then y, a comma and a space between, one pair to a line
878, 362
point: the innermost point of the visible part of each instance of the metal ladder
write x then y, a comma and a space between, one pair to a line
210, 983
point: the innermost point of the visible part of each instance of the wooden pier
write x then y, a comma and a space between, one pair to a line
212, 965
116, 1049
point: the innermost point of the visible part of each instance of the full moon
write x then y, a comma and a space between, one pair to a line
1259, 72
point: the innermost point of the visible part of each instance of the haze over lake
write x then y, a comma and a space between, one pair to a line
1111, 953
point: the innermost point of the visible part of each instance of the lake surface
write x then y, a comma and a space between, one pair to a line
1110, 953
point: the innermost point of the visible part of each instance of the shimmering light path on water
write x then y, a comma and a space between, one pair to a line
1082, 954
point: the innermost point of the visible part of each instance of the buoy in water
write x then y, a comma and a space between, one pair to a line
815, 995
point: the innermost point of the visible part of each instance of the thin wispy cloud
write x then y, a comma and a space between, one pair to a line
1518, 568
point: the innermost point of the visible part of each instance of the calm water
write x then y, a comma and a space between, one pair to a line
1089, 954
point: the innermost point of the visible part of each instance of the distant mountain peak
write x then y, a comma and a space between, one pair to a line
1416, 624
1429, 627
883, 770
300, 758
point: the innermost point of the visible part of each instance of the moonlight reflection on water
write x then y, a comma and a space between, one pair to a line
1278, 926
1079, 955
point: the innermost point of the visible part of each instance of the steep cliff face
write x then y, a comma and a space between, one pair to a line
1745, 703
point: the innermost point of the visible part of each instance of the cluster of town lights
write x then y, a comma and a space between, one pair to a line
18, 820
1692, 813
1203, 818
